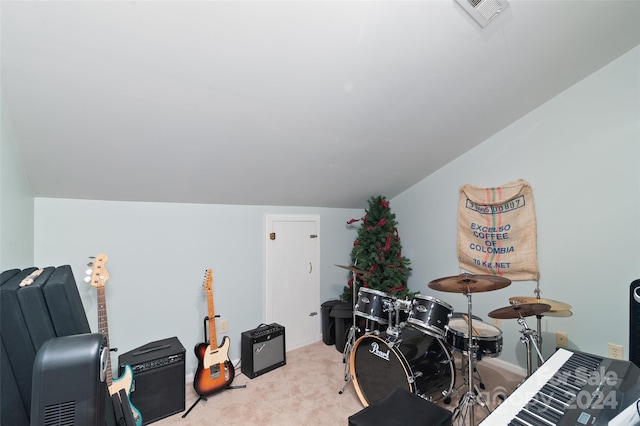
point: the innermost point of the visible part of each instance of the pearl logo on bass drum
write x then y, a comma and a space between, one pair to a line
375, 349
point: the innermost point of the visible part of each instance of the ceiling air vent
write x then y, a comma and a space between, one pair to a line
483, 11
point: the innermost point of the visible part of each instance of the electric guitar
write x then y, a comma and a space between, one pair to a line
215, 371
98, 278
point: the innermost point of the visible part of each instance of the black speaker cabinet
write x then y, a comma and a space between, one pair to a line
159, 378
263, 349
69, 385
634, 323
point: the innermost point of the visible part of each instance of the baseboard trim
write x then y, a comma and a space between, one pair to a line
513, 368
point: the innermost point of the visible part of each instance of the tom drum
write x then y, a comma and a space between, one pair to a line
430, 315
374, 305
489, 338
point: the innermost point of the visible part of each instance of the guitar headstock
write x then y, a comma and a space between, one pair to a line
97, 275
208, 280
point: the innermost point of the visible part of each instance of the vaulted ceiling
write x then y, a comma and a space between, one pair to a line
301, 103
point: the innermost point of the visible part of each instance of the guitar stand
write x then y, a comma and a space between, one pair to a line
204, 397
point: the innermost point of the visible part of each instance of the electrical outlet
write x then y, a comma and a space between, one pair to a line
616, 351
562, 339
224, 326
497, 322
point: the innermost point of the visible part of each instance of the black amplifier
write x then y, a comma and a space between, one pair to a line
263, 349
634, 323
159, 378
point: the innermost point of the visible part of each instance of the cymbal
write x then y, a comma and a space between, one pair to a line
353, 269
469, 283
555, 305
558, 314
517, 311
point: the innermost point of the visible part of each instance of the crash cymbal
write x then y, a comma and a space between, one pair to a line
517, 311
353, 269
555, 305
558, 314
469, 283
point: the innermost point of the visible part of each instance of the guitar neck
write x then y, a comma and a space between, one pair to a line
213, 338
103, 327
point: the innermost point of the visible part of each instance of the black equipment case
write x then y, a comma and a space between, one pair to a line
29, 316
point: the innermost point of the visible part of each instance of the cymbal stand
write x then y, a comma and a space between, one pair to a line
539, 324
351, 338
529, 338
472, 396
465, 383
539, 339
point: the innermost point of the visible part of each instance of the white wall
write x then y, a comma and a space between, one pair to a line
581, 154
16, 201
158, 254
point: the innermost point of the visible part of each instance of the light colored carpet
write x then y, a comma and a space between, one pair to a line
305, 391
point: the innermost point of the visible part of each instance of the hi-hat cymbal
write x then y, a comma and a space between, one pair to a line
555, 305
517, 311
469, 283
558, 314
353, 269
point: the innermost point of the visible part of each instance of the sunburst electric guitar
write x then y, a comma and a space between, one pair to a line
215, 370
98, 277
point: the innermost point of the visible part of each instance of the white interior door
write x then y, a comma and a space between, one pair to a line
293, 277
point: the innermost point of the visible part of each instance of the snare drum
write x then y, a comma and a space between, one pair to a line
489, 340
374, 305
420, 363
430, 315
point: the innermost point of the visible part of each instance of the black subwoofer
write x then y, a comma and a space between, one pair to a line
69, 385
263, 349
634, 323
159, 378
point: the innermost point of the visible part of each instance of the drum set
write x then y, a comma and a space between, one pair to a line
410, 343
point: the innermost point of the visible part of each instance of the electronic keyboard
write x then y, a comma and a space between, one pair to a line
570, 388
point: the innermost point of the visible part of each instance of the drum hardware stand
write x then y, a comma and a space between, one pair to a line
472, 396
529, 338
351, 337
539, 324
539, 341
393, 329
463, 369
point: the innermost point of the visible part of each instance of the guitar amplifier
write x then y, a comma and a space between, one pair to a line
262, 350
159, 378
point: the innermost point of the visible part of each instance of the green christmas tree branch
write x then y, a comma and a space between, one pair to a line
378, 251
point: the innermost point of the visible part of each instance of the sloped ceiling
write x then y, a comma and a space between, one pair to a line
301, 103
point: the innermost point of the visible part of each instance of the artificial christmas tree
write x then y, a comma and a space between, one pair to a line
377, 250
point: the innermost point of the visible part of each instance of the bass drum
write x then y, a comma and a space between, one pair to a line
415, 361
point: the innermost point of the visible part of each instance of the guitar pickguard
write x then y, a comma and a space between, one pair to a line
216, 356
